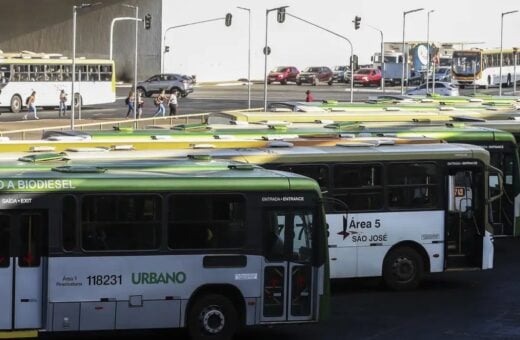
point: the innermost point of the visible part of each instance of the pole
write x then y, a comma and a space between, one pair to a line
135, 64
265, 59
403, 57
248, 57
514, 71
474, 66
112, 25
72, 106
501, 55
433, 82
382, 62
249, 62
428, 54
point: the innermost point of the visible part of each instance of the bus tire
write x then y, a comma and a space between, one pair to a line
403, 269
16, 104
212, 316
78, 101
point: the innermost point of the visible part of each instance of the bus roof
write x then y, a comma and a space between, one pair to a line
66, 61
180, 175
243, 117
207, 159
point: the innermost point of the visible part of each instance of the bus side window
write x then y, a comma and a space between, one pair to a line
206, 221
69, 223
5, 240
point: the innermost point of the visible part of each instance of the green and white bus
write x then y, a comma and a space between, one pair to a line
412, 208
211, 247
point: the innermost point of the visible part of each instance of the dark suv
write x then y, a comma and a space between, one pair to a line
283, 74
168, 82
314, 75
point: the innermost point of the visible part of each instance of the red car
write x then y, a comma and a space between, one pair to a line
367, 76
283, 74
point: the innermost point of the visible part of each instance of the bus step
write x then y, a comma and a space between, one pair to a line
19, 334
457, 261
463, 269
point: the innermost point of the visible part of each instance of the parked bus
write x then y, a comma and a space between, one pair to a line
21, 74
501, 145
412, 209
210, 248
482, 67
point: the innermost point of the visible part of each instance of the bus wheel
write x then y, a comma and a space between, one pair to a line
212, 317
78, 101
403, 269
16, 104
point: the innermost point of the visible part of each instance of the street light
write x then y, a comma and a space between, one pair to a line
382, 57
267, 49
515, 60
404, 52
166, 49
135, 56
428, 54
75, 9
501, 55
248, 58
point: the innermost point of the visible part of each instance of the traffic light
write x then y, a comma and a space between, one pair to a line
166, 49
229, 16
280, 15
357, 22
148, 21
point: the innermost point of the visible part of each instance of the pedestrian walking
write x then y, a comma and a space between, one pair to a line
172, 103
31, 105
63, 104
309, 97
130, 102
159, 103
140, 104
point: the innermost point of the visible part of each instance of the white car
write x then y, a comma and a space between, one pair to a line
441, 88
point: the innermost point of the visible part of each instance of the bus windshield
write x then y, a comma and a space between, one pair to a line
466, 64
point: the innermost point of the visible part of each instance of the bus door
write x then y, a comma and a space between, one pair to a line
22, 247
465, 223
289, 292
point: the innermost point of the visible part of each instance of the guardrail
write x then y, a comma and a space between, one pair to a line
36, 133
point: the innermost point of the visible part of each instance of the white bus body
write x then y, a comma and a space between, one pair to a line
19, 77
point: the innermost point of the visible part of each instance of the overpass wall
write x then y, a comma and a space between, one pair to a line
46, 26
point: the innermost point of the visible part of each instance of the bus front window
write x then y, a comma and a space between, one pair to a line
466, 64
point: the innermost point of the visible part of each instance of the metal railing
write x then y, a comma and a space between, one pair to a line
36, 133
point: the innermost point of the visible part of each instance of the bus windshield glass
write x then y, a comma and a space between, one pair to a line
466, 64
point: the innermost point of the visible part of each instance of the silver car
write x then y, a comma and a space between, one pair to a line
441, 88
168, 82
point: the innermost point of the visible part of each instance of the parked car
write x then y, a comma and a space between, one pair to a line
341, 74
283, 74
367, 76
442, 74
441, 88
169, 82
314, 75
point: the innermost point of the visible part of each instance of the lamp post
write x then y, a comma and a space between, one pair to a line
267, 50
248, 57
405, 54
75, 9
184, 25
515, 60
428, 54
501, 55
135, 57
382, 57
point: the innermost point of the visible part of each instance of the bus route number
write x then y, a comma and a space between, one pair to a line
104, 280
